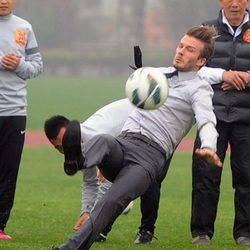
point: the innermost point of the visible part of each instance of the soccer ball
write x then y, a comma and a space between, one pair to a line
147, 88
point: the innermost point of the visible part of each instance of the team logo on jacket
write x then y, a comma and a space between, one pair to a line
246, 36
20, 37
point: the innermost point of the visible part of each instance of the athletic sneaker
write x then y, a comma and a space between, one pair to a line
101, 238
4, 236
243, 241
144, 237
202, 240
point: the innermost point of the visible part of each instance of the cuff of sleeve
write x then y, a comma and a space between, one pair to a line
248, 84
208, 136
220, 74
20, 66
84, 211
1, 66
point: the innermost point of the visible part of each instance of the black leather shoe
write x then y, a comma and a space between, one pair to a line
201, 240
243, 241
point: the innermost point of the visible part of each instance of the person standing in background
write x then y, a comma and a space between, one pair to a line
20, 60
231, 106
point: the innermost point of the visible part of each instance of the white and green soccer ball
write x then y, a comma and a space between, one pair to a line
147, 88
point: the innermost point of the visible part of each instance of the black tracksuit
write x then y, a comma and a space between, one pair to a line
232, 109
12, 129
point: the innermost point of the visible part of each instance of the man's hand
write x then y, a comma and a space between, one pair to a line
209, 155
226, 86
10, 61
81, 221
235, 79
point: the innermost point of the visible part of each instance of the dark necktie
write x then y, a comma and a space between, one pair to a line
174, 73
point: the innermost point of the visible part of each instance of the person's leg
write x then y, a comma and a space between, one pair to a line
132, 164
131, 182
240, 165
99, 150
11, 144
149, 209
206, 180
105, 152
103, 188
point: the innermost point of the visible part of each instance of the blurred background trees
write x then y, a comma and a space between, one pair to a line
96, 37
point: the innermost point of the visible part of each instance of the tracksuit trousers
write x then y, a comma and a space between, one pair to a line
12, 131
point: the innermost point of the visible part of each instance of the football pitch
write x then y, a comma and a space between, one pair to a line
73, 97
48, 202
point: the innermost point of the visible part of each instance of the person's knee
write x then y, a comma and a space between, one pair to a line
114, 204
242, 180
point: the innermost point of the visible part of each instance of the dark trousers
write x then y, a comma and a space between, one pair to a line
207, 179
149, 205
132, 164
150, 201
11, 145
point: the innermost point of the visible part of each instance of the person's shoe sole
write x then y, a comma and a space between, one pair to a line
243, 241
4, 236
137, 242
202, 240
144, 238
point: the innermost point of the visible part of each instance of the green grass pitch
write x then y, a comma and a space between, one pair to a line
47, 201
73, 97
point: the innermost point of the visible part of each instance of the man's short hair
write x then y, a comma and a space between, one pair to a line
53, 125
206, 34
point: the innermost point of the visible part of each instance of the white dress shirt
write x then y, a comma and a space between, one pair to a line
189, 100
